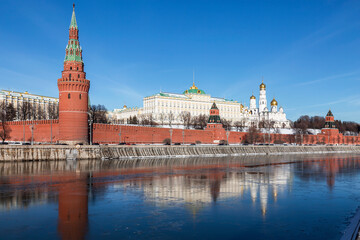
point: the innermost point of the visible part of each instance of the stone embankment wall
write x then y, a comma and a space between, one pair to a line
46, 153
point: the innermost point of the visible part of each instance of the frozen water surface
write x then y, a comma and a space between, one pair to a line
258, 197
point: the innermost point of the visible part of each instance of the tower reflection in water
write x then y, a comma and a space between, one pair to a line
196, 183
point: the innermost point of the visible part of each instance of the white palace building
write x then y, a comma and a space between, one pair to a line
165, 107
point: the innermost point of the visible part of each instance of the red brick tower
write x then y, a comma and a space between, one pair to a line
73, 92
215, 125
330, 127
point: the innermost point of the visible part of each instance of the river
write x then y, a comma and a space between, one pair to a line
249, 197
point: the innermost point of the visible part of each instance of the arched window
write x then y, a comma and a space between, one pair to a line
80, 96
70, 76
68, 95
70, 68
78, 75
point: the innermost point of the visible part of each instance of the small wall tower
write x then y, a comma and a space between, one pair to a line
262, 98
73, 91
214, 119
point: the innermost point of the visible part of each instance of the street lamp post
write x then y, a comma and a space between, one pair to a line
171, 132
120, 136
50, 131
32, 133
183, 136
227, 137
90, 127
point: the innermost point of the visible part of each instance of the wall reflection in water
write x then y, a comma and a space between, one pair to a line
195, 182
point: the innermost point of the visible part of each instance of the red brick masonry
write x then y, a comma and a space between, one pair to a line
106, 133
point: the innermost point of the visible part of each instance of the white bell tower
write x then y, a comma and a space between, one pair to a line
262, 98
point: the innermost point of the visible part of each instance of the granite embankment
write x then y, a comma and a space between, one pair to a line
59, 152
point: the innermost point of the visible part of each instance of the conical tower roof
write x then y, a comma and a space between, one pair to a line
73, 19
329, 114
214, 106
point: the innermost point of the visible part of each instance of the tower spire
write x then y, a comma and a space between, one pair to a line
73, 19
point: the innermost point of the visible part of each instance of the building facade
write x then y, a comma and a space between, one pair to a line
45, 106
169, 107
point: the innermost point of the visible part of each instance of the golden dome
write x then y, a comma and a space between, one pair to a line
274, 102
262, 86
193, 86
252, 97
125, 106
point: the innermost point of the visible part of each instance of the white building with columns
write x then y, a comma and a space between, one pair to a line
168, 107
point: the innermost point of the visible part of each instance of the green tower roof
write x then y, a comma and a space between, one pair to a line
214, 106
73, 49
73, 19
329, 114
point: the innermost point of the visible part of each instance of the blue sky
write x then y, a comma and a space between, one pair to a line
307, 51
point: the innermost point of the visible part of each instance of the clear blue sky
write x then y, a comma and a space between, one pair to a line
307, 51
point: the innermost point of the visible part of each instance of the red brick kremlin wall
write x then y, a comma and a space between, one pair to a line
21, 130
106, 133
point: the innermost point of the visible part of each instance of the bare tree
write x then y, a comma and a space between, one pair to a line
151, 120
25, 111
240, 125
186, 119
40, 114
227, 124
10, 112
253, 135
5, 129
53, 111
98, 114
162, 118
171, 118
147, 120
199, 122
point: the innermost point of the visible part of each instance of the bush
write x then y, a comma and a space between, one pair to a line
278, 142
167, 141
223, 142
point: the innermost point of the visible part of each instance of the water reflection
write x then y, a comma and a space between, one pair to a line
195, 183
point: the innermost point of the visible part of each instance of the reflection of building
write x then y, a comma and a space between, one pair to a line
216, 185
163, 106
73, 208
39, 103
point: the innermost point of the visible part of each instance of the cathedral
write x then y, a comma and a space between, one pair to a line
168, 109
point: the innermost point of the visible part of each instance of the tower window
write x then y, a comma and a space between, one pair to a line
78, 75
69, 96
70, 68
70, 76
77, 68
80, 96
